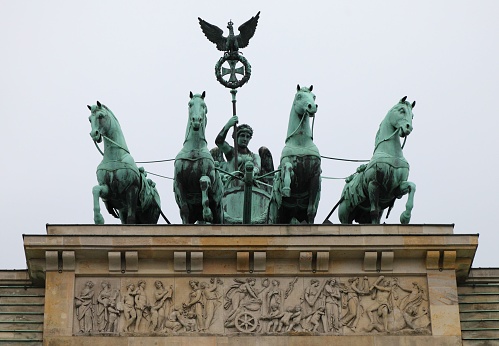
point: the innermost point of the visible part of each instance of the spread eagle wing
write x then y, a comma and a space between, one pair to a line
247, 30
214, 34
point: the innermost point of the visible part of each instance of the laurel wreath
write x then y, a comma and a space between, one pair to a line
239, 83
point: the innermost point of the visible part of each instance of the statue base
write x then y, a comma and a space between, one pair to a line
250, 284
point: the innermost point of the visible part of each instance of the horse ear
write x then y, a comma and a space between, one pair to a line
89, 107
403, 99
311, 88
298, 87
203, 95
191, 95
413, 104
98, 104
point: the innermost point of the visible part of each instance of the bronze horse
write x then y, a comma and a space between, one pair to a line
297, 186
126, 191
197, 185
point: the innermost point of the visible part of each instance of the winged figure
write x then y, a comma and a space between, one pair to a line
231, 43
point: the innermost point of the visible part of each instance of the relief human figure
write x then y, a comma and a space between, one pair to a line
295, 318
313, 299
286, 318
114, 313
352, 292
103, 301
129, 306
84, 307
273, 317
314, 320
141, 303
382, 294
236, 294
333, 297
212, 297
174, 321
275, 295
161, 306
195, 306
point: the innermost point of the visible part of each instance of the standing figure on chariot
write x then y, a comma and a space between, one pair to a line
244, 135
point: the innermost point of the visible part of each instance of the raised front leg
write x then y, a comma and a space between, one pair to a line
410, 188
205, 184
287, 171
373, 189
99, 191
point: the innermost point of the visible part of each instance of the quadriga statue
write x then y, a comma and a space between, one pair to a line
375, 186
123, 187
297, 185
197, 185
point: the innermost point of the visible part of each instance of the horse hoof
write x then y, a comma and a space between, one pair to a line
286, 191
98, 219
207, 215
405, 217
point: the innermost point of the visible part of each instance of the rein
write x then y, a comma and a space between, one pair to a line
388, 138
110, 140
298, 127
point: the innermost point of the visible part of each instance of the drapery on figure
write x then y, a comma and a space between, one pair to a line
196, 304
162, 305
84, 307
103, 302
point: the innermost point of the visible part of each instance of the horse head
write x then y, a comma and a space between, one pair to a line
197, 111
400, 117
100, 121
304, 102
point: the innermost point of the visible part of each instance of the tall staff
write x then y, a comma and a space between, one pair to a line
237, 64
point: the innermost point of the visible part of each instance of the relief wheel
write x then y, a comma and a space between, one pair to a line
246, 322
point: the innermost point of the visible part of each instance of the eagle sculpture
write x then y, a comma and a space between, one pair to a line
231, 43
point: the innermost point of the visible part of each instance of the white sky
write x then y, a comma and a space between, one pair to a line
141, 59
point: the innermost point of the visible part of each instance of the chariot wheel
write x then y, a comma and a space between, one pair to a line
246, 322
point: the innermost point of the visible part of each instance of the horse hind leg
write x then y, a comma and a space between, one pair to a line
373, 189
205, 183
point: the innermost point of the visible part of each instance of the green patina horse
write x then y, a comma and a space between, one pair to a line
124, 188
375, 186
296, 190
197, 185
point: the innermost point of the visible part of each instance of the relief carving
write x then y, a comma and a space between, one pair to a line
257, 305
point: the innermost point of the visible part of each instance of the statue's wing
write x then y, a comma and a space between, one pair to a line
247, 30
267, 161
217, 154
214, 34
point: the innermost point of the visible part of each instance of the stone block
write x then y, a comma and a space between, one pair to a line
51, 260
260, 261
322, 261
370, 259
387, 260
306, 261
131, 261
197, 261
243, 261
449, 260
432, 259
179, 261
68, 260
114, 258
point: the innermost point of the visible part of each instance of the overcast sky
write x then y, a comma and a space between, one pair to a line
141, 59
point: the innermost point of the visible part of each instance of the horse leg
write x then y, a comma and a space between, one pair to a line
181, 202
373, 189
132, 195
205, 184
99, 191
287, 171
313, 199
410, 188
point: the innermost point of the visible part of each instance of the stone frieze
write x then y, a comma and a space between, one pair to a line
395, 305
